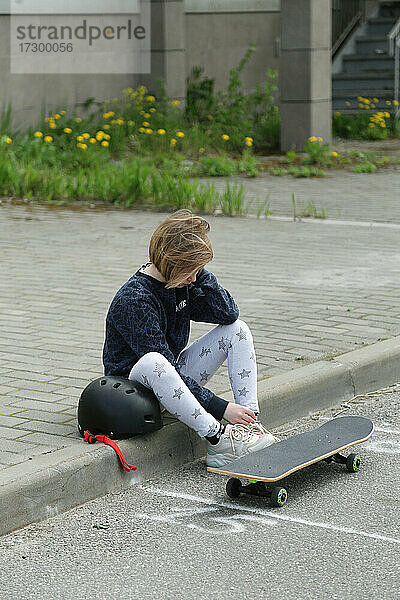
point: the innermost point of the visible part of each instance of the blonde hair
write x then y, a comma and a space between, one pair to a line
180, 246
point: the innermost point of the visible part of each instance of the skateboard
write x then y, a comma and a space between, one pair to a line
297, 452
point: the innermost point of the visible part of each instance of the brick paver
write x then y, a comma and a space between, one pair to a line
308, 290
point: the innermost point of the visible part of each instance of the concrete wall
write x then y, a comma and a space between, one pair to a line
218, 40
213, 33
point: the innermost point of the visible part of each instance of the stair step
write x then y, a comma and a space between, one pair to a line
380, 25
389, 9
372, 93
367, 62
367, 45
362, 80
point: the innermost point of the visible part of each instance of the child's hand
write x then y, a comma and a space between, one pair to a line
235, 413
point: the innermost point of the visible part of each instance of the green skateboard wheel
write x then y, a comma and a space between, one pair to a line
233, 487
278, 496
353, 463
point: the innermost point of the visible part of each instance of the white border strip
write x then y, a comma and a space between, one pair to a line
68, 7
232, 6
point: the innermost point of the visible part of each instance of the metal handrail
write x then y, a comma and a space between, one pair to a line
346, 15
394, 48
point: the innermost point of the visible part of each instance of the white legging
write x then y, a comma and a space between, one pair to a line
200, 361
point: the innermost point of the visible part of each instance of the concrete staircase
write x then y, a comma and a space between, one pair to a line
368, 70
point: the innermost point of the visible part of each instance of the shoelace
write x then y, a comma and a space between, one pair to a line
241, 433
259, 429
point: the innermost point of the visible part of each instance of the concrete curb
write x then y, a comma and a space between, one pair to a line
59, 480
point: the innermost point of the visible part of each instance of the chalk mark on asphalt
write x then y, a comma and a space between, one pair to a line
261, 516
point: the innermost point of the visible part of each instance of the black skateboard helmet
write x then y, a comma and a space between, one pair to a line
118, 408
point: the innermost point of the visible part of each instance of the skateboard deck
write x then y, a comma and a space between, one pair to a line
292, 454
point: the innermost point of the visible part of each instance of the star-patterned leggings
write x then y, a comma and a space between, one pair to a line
200, 361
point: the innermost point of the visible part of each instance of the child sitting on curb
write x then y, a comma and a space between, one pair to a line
148, 327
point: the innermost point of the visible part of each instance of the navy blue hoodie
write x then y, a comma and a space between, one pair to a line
145, 317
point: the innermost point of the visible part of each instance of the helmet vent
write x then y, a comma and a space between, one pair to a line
130, 391
116, 385
149, 419
103, 382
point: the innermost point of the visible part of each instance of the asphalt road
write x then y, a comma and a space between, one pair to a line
180, 537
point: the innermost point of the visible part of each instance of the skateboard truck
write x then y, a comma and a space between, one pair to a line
352, 461
277, 496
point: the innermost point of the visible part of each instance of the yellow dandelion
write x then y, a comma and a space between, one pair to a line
173, 142
149, 130
152, 110
80, 138
38, 134
57, 116
104, 143
388, 102
180, 134
107, 136
249, 138
147, 115
150, 98
319, 139
175, 102
387, 115
201, 149
142, 129
225, 137
93, 140
106, 126
120, 121
67, 130
48, 138
86, 135
78, 120
52, 125
249, 143
142, 112
312, 138
62, 112
8, 140
395, 103
146, 124
161, 131
348, 103
335, 154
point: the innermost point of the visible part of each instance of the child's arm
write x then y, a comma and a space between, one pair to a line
209, 302
141, 330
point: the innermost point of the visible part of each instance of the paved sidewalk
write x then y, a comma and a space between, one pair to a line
340, 195
309, 290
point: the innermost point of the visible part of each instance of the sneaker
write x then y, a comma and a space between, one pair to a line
236, 441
